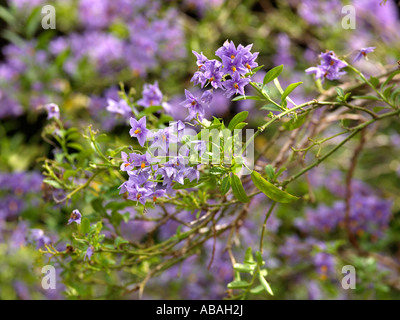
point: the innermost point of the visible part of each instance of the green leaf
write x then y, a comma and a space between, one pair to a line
217, 170
390, 78
270, 190
289, 90
238, 189
241, 125
33, 22
273, 74
238, 98
240, 117
374, 81
85, 226
248, 257
7, 16
152, 109
75, 145
387, 92
53, 183
257, 290
225, 185
270, 171
377, 109
294, 123
339, 91
238, 284
243, 267
259, 258
366, 98
270, 107
265, 284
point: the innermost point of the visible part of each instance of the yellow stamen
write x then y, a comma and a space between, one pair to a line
138, 131
236, 86
232, 57
142, 165
234, 69
248, 66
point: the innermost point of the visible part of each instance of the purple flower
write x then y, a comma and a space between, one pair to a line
162, 139
249, 61
126, 164
233, 66
178, 127
206, 97
213, 73
235, 85
89, 253
201, 60
140, 194
76, 216
199, 78
38, 236
53, 111
151, 96
329, 68
194, 106
325, 264
139, 130
120, 107
363, 53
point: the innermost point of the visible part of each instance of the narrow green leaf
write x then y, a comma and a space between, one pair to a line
248, 257
238, 284
339, 91
366, 98
270, 190
270, 171
390, 78
374, 81
240, 117
152, 109
257, 290
265, 284
238, 189
225, 185
238, 98
243, 267
241, 125
272, 74
289, 90
294, 123
52, 183
217, 170
85, 225
271, 107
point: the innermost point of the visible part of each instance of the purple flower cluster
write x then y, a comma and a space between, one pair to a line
14, 191
309, 251
153, 174
147, 35
235, 63
329, 68
368, 214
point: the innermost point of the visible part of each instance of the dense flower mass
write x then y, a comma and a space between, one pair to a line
235, 63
